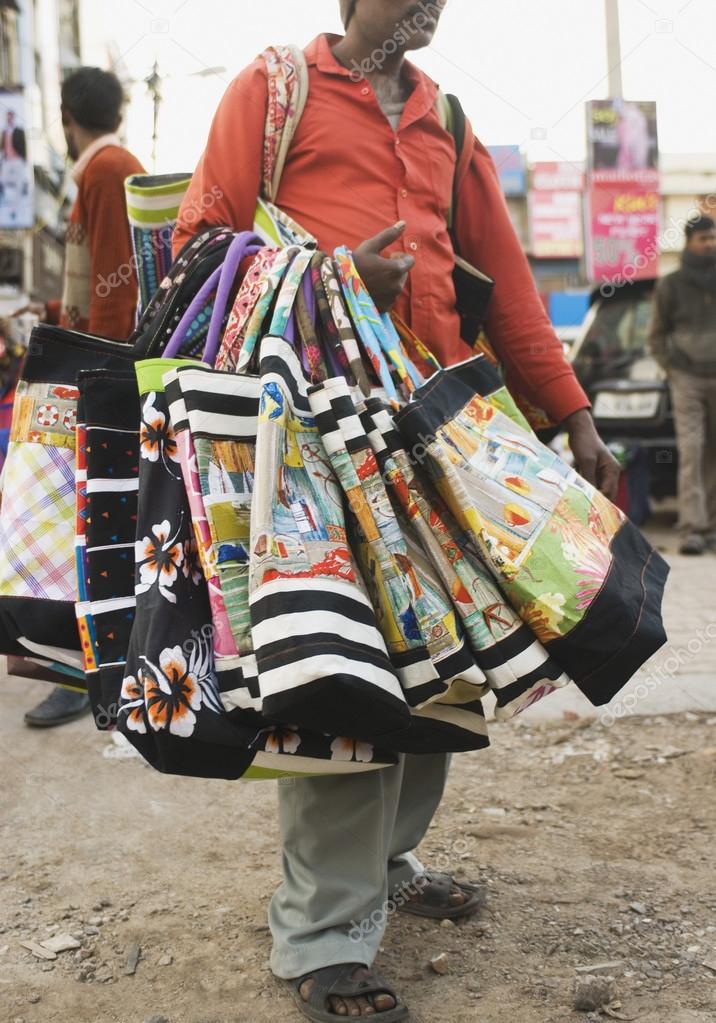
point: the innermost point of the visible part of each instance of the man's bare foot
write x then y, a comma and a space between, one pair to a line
368, 1005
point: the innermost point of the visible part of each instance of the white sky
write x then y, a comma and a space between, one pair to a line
522, 68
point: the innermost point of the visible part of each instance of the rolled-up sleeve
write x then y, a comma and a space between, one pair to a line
518, 326
227, 180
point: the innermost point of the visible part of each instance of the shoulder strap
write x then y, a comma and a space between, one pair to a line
453, 119
287, 74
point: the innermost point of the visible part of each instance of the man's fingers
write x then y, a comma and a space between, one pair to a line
399, 266
385, 238
609, 473
588, 469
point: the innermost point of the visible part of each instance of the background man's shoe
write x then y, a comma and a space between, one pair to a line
693, 544
59, 708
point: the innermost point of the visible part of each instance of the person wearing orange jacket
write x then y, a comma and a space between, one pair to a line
99, 298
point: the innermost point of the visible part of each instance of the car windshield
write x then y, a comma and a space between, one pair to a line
620, 328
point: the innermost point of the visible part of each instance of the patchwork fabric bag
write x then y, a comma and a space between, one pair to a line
515, 664
503, 653
38, 579
426, 642
153, 202
221, 418
517, 668
568, 561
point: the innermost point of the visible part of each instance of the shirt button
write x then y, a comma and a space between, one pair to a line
365, 90
397, 142
404, 193
413, 246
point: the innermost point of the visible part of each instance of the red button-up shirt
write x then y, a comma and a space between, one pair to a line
349, 175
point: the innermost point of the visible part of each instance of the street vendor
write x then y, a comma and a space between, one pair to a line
372, 167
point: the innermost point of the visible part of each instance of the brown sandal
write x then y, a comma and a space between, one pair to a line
337, 982
434, 899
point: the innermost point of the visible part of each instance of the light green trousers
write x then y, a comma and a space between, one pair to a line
347, 848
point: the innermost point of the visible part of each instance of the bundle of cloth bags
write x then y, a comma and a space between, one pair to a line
275, 538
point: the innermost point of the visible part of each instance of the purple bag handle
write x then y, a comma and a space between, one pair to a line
290, 331
222, 279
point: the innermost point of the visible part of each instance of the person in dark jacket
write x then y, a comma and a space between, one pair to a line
683, 341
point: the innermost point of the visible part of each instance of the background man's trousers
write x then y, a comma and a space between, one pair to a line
694, 402
348, 843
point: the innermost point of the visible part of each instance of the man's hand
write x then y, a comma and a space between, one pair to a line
593, 458
384, 278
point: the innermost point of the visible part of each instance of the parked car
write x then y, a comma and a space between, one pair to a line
628, 390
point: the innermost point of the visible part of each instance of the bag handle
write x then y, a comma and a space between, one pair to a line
335, 354
225, 273
288, 292
245, 244
379, 342
269, 286
287, 86
340, 318
309, 349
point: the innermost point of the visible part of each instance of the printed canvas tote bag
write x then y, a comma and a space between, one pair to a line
170, 706
573, 567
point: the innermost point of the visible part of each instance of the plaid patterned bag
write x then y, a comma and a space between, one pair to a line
38, 578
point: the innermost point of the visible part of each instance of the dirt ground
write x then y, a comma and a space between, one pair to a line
597, 846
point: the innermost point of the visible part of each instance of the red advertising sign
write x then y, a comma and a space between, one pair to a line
624, 223
558, 177
623, 219
556, 225
555, 208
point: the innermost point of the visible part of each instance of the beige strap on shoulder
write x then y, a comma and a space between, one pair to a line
287, 74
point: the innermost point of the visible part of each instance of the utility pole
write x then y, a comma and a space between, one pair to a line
614, 49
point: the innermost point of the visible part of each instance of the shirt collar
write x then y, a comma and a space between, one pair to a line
90, 152
320, 55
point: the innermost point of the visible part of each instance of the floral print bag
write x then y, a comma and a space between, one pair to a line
171, 705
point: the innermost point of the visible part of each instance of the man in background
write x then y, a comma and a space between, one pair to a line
683, 342
98, 244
